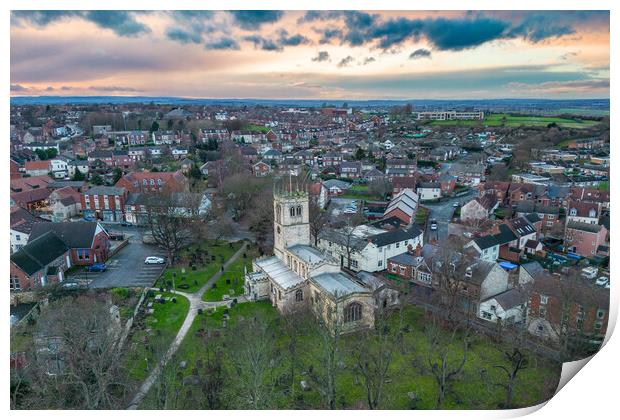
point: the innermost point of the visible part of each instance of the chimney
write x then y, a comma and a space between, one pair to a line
410, 249
418, 250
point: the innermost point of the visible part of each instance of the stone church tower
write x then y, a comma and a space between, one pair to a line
291, 220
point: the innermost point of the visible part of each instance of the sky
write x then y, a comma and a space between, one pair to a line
275, 54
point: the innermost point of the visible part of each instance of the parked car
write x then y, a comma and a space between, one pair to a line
154, 260
589, 272
433, 224
456, 204
97, 267
602, 281
126, 223
116, 236
89, 219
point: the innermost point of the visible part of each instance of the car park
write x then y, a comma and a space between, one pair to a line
154, 260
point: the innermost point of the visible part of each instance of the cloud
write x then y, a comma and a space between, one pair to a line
254, 19
540, 26
122, 23
183, 36
420, 53
559, 87
224, 43
114, 89
455, 34
567, 56
49, 89
292, 41
346, 61
321, 56
369, 60
18, 88
263, 43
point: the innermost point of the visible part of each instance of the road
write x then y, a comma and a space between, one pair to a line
442, 212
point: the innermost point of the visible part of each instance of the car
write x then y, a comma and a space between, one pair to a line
97, 267
126, 223
433, 225
589, 272
455, 205
154, 260
602, 281
89, 219
70, 285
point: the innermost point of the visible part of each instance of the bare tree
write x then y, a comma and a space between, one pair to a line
174, 220
373, 352
318, 221
253, 358
444, 358
328, 328
76, 363
517, 362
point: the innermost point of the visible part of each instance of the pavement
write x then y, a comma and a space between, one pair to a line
125, 269
443, 212
195, 303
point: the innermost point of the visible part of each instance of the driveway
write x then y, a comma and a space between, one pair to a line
125, 269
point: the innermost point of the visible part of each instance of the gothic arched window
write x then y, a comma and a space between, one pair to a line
291, 211
298, 210
299, 295
353, 312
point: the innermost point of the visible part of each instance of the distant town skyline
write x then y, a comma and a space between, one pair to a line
328, 55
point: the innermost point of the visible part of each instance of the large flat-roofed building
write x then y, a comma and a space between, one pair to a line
450, 115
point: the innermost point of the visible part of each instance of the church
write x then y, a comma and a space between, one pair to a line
300, 277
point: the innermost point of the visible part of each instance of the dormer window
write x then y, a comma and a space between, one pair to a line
592, 213
573, 212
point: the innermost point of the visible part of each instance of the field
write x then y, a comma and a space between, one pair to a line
361, 192
475, 387
210, 256
495, 120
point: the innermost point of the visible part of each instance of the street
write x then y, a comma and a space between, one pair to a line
442, 212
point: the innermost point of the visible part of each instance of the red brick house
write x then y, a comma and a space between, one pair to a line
88, 242
580, 309
154, 181
261, 169
584, 238
42, 261
104, 203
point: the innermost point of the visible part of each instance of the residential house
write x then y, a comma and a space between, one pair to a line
88, 242
64, 204
368, 248
429, 190
584, 238
479, 208
403, 206
104, 203
42, 261
153, 181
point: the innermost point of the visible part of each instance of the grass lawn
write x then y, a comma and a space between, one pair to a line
144, 349
421, 216
515, 121
254, 127
234, 275
604, 186
188, 280
360, 192
409, 371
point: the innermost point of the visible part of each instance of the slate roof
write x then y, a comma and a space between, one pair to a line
105, 190
337, 284
38, 253
74, 234
510, 298
586, 227
279, 272
533, 268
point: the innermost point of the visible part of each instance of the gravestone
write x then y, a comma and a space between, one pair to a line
304, 386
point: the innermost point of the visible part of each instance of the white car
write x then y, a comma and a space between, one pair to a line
154, 260
455, 205
602, 281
